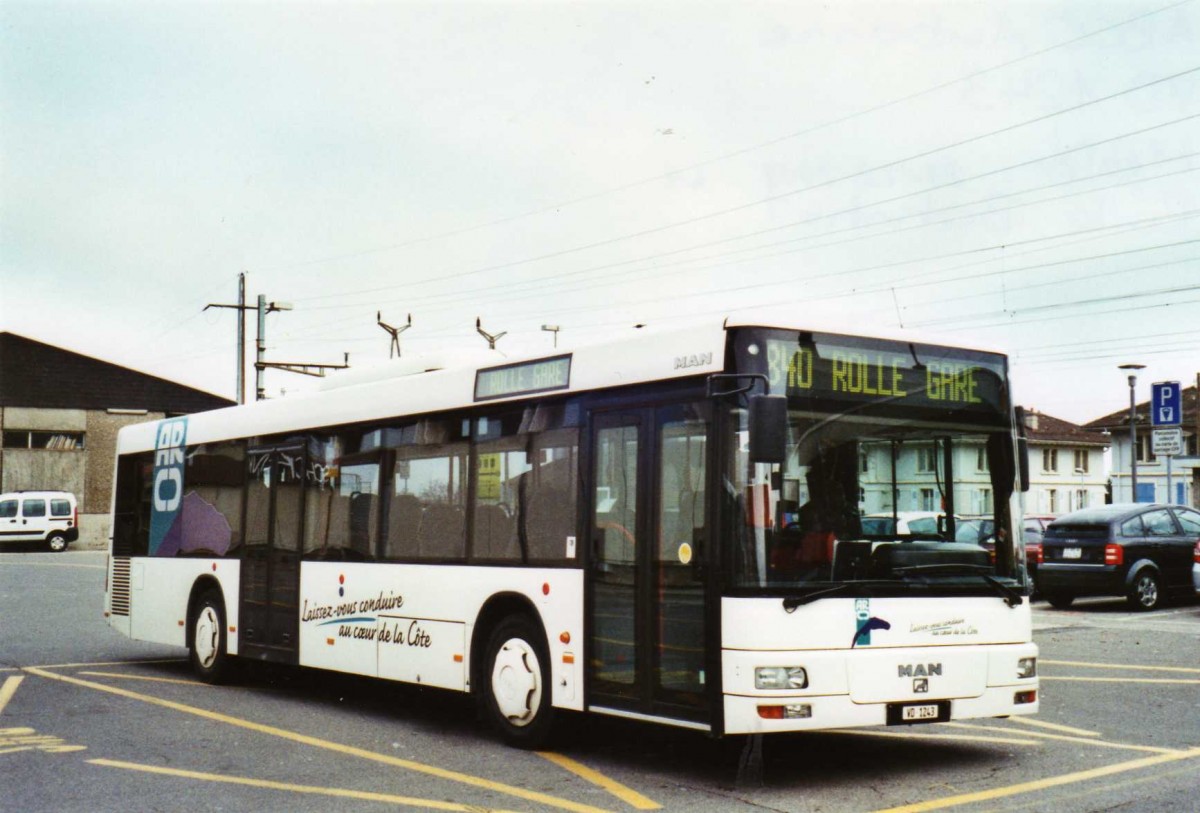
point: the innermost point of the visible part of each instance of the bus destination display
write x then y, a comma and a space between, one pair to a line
888, 373
521, 379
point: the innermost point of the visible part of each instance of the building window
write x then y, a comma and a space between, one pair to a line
862, 463
1050, 460
926, 459
983, 501
927, 499
1146, 448
981, 459
33, 439
1052, 500
1081, 498
1081, 460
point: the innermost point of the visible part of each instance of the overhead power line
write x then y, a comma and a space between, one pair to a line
540, 283
744, 150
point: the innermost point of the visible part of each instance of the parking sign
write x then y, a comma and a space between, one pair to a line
1166, 404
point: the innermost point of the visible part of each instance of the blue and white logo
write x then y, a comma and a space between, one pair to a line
167, 489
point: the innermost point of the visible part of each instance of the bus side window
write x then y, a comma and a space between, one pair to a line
501, 478
131, 525
340, 506
432, 470
550, 502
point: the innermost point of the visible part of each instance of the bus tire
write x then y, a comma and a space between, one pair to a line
211, 662
516, 687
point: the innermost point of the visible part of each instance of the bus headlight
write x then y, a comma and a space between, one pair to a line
780, 677
1027, 668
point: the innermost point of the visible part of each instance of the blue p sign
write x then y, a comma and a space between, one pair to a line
1166, 403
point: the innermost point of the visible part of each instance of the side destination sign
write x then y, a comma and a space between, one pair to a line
884, 372
167, 489
523, 378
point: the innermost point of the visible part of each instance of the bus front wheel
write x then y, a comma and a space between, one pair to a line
211, 662
516, 682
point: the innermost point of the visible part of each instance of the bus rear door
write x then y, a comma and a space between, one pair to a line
270, 583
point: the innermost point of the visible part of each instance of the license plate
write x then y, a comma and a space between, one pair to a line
1072, 553
929, 712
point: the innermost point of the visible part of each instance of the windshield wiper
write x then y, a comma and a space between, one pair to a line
792, 602
1011, 597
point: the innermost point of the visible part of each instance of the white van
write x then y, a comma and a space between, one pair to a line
49, 517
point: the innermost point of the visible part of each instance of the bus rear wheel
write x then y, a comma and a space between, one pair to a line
515, 689
211, 662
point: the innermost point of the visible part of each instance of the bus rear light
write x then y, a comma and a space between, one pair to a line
1025, 698
1114, 555
799, 711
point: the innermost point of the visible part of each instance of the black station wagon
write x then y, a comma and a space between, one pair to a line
1141, 551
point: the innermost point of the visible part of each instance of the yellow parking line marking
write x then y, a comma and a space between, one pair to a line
343, 793
1187, 681
105, 663
8, 689
1082, 732
143, 677
1099, 743
625, 794
911, 736
14, 750
1121, 666
349, 750
1042, 784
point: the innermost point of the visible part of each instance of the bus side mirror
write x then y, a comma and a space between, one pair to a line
768, 428
1022, 448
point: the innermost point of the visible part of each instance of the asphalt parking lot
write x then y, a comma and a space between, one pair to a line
92, 721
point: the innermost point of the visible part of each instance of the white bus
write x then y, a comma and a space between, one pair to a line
668, 527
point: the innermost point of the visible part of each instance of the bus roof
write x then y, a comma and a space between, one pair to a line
426, 384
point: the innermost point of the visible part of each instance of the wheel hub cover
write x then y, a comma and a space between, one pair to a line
515, 681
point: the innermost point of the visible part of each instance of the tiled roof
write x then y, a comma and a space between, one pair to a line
37, 375
1055, 430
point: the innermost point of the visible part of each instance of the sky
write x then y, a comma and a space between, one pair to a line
1016, 175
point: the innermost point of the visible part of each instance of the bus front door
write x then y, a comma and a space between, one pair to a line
270, 583
648, 519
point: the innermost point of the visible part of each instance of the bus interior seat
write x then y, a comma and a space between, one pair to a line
441, 535
404, 521
549, 520
495, 536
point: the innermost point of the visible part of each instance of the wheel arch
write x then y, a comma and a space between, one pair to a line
204, 584
1137, 568
494, 611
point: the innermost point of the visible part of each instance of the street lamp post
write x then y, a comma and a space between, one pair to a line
1133, 368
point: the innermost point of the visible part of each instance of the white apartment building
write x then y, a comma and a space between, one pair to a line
1066, 472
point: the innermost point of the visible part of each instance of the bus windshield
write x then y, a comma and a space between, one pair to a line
899, 473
